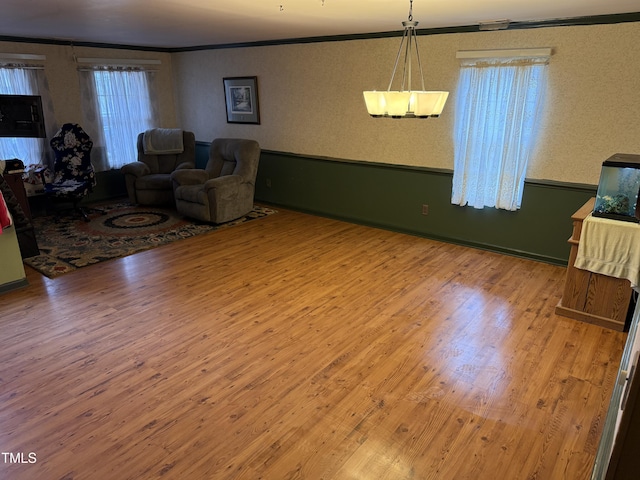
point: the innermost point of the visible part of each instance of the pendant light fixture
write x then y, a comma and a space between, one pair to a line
406, 103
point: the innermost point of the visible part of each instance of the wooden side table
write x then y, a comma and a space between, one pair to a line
593, 297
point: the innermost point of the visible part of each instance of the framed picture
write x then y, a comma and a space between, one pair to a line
241, 98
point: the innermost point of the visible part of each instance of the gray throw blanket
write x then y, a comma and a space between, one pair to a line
159, 141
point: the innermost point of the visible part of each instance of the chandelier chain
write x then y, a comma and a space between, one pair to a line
410, 10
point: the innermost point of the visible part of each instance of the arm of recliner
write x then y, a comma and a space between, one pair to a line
185, 165
189, 176
137, 169
225, 187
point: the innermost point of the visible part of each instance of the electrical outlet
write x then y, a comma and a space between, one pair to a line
425, 209
268, 182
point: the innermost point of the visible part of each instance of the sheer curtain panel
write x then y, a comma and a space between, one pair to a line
118, 105
497, 119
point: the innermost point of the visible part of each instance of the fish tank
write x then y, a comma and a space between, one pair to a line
618, 188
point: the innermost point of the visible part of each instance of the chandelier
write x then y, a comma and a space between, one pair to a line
406, 103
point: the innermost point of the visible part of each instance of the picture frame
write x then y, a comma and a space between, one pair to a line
241, 99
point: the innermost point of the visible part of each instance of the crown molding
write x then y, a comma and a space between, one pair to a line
559, 22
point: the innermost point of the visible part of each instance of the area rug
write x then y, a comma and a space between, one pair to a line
72, 243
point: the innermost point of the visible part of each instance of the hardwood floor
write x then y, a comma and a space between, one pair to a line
298, 347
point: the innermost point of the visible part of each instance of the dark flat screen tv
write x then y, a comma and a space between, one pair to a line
21, 116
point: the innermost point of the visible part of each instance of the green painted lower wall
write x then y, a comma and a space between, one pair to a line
391, 197
109, 184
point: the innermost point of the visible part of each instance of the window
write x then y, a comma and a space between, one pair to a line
21, 80
497, 119
120, 107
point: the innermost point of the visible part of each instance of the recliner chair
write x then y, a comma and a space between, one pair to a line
224, 190
148, 180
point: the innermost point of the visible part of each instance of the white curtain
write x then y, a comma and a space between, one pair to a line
20, 79
499, 105
119, 104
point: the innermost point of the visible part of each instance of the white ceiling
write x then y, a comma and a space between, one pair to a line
190, 23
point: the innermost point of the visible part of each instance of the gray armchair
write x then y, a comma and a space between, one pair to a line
224, 190
148, 180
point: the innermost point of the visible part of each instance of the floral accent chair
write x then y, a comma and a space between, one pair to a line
73, 174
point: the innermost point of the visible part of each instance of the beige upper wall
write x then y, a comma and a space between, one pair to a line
311, 97
61, 70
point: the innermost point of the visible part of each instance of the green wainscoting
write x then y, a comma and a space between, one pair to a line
391, 197
202, 153
109, 184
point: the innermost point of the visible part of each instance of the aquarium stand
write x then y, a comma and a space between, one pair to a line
589, 296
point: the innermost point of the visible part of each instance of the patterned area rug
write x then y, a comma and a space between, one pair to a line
124, 230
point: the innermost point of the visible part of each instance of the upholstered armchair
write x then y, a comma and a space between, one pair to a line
224, 190
73, 173
160, 153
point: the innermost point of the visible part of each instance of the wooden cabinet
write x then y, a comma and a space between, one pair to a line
18, 204
17, 186
593, 297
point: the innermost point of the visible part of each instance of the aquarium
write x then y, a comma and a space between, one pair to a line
618, 188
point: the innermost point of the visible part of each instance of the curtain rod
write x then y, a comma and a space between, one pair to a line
515, 52
118, 61
22, 56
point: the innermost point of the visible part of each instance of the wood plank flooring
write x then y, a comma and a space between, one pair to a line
299, 347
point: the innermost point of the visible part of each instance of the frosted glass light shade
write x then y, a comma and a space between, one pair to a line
376, 103
405, 103
397, 103
429, 104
